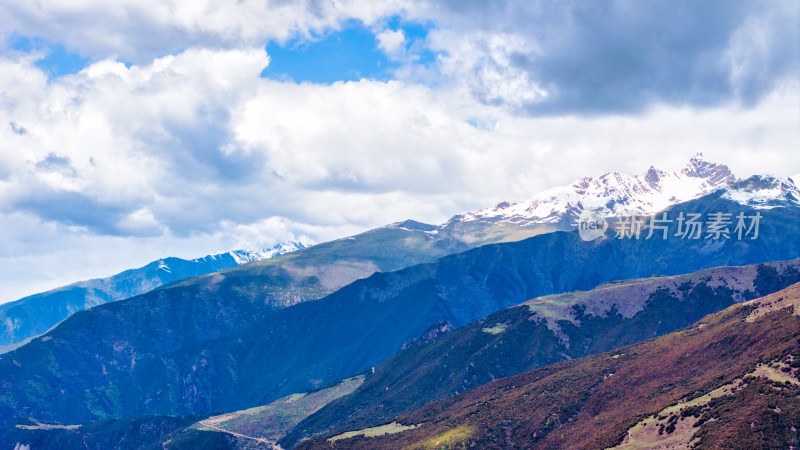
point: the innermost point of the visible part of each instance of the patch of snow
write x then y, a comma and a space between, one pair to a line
763, 192
163, 266
759, 200
246, 256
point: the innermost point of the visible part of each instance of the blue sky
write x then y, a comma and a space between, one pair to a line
131, 131
56, 60
349, 54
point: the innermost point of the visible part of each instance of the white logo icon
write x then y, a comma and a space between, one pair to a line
591, 225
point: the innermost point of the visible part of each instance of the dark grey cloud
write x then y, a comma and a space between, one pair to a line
596, 57
196, 150
74, 208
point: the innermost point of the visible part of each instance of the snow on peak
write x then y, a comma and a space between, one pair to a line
614, 194
763, 191
716, 174
246, 256
162, 265
413, 225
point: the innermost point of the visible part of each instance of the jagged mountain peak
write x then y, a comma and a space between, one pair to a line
699, 167
616, 193
654, 175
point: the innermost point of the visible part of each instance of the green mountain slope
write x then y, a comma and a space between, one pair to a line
263, 426
539, 332
33, 315
730, 381
189, 349
314, 272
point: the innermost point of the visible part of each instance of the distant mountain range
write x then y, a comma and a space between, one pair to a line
409, 313
186, 349
615, 194
321, 270
315, 272
446, 362
33, 315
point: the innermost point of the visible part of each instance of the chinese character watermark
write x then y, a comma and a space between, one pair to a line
688, 226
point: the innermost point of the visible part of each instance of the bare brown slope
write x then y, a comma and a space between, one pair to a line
593, 402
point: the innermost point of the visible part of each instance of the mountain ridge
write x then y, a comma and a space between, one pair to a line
191, 350
246, 428
731, 380
538, 332
614, 194
35, 314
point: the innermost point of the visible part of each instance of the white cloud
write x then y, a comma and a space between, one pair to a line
36, 256
192, 152
392, 42
197, 144
126, 132
480, 64
140, 30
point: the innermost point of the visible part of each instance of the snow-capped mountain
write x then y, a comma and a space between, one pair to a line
240, 257
763, 192
235, 258
35, 314
246, 256
615, 194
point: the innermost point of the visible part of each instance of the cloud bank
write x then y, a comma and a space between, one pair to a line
170, 142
